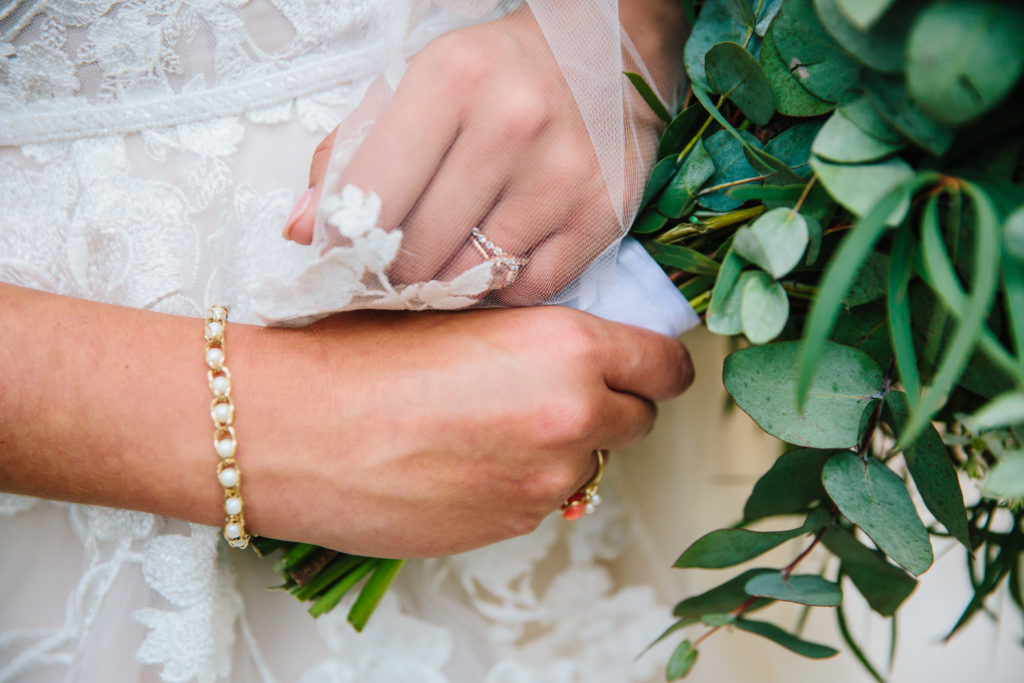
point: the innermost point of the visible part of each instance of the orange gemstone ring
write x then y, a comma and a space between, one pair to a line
586, 500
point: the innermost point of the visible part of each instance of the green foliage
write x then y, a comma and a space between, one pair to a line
875, 499
856, 186
763, 380
805, 589
729, 547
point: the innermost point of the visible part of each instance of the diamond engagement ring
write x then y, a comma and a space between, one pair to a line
505, 267
586, 500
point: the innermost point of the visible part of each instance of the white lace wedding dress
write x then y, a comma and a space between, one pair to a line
151, 151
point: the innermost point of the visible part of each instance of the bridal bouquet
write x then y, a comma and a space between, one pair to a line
843, 187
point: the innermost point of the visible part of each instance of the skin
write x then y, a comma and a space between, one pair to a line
493, 92
385, 434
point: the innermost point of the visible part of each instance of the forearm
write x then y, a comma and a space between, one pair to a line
110, 406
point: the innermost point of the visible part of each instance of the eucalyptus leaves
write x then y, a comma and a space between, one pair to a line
845, 188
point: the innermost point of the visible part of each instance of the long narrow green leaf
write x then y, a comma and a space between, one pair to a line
900, 267
332, 597
843, 268
955, 300
986, 279
650, 98
1013, 285
728, 274
682, 257
785, 639
844, 630
328, 575
370, 596
294, 556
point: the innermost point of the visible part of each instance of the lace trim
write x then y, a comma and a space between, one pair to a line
66, 119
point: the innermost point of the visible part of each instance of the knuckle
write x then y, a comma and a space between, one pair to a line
522, 111
458, 61
683, 369
572, 421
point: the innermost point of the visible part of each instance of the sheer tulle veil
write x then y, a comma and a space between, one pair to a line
150, 153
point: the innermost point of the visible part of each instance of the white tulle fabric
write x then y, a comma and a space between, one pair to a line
151, 151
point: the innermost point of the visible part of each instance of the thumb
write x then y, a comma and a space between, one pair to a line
299, 226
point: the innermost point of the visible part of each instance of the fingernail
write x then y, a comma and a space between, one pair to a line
297, 210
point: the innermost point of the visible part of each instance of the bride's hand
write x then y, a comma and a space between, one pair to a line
482, 130
461, 429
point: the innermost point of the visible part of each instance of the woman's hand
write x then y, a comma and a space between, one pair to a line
482, 131
387, 434
434, 433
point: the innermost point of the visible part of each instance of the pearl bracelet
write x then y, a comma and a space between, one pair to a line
222, 410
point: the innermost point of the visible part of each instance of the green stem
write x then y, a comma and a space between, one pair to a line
704, 127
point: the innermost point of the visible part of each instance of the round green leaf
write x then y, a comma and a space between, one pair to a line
714, 25
775, 241
764, 308
883, 585
648, 221
793, 146
734, 73
863, 13
791, 98
695, 171
730, 164
790, 486
1006, 480
860, 187
681, 661
723, 598
762, 380
805, 589
963, 58
871, 496
888, 96
728, 547
680, 130
1013, 234
808, 51
660, 175
933, 472
724, 310
840, 140
880, 48
860, 112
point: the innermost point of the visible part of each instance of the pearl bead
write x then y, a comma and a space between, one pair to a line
214, 330
595, 499
226, 448
233, 505
228, 477
591, 508
214, 357
222, 412
232, 531
220, 385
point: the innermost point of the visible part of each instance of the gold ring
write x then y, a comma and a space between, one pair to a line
586, 500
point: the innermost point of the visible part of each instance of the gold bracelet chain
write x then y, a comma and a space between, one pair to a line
222, 410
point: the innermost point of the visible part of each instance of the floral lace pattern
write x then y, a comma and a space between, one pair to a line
127, 129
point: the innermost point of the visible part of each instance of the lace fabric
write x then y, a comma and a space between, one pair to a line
151, 151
